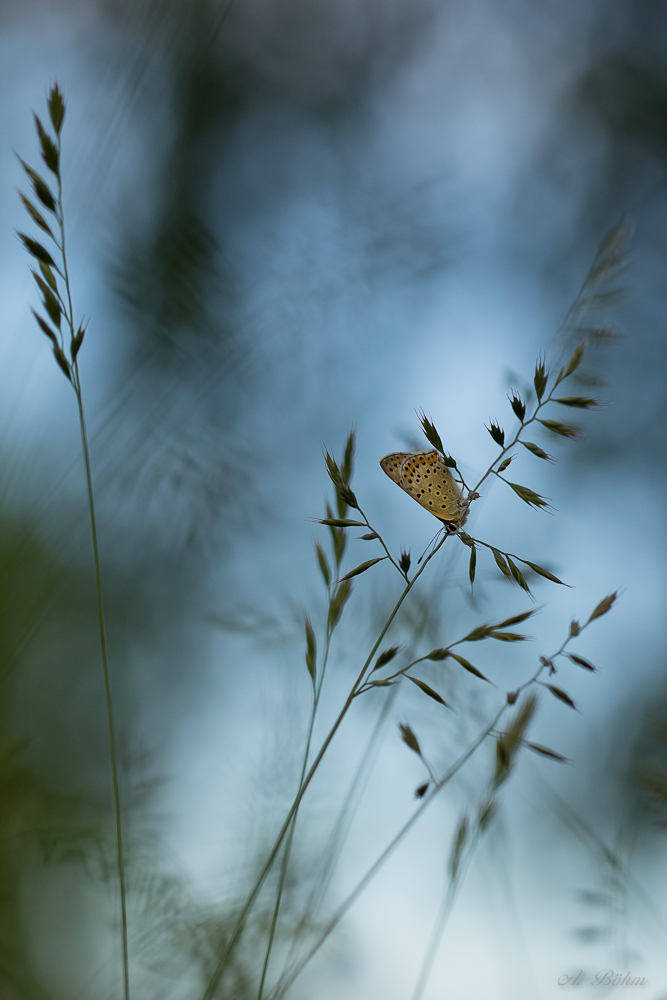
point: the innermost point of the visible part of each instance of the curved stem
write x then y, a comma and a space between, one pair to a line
289, 977
455, 881
214, 982
342, 823
290, 836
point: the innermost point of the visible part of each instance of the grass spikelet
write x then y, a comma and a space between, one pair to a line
409, 738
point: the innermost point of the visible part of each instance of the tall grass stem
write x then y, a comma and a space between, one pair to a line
113, 755
111, 728
215, 979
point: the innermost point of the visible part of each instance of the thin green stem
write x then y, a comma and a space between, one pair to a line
342, 823
290, 836
214, 982
508, 447
382, 543
455, 881
441, 922
113, 755
291, 974
400, 673
283, 870
289, 977
69, 315
120, 858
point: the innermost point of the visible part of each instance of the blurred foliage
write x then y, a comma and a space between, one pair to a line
611, 153
630, 99
48, 814
646, 768
56, 833
207, 76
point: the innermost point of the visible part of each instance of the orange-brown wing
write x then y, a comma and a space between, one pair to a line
424, 475
392, 465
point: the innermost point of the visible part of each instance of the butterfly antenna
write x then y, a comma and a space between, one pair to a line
430, 544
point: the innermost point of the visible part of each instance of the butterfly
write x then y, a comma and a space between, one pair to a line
429, 481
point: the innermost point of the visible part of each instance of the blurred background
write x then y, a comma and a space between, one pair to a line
286, 218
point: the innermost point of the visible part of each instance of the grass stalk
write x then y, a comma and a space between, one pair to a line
440, 925
111, 728
291, 974
251, 898
342, 823
290, 836
57, 303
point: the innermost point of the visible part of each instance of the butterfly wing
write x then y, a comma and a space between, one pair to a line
426, 478
393, 463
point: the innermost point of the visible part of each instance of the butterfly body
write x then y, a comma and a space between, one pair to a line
425, 476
